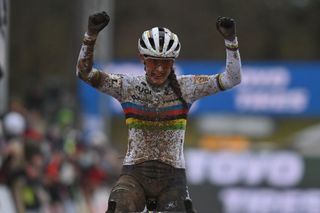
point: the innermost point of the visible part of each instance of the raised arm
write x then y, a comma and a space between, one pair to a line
232, 74
84, 69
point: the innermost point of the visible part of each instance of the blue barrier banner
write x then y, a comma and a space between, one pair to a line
276, 88
267, 88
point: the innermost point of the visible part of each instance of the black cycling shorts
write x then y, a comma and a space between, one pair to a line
150, 181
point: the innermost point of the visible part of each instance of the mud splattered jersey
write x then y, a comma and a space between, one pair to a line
155, 117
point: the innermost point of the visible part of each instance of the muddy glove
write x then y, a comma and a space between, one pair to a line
97, 22
226, 27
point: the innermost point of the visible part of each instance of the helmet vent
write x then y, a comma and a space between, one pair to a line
152, 43
143, 44
178, 46
161, 39
170, 44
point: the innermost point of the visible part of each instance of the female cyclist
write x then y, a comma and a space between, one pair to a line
156, 106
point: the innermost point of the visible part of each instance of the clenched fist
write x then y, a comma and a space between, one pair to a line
226, 27
97, 22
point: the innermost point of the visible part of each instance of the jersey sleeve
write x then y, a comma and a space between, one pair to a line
194, 87
232, 74
111, 84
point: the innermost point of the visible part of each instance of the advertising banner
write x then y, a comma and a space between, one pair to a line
253, 182
267, 89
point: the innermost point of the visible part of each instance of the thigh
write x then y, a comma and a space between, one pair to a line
128, 195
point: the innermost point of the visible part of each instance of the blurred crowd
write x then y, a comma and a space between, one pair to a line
46, 162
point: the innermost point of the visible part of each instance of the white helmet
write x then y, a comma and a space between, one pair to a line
159, 42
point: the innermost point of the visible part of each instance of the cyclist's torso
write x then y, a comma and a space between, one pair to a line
155, 116
156, 121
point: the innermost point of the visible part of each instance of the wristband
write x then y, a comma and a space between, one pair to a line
232, 45
220, 85
88, 39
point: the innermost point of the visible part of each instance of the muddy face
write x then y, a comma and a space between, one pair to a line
157, 70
